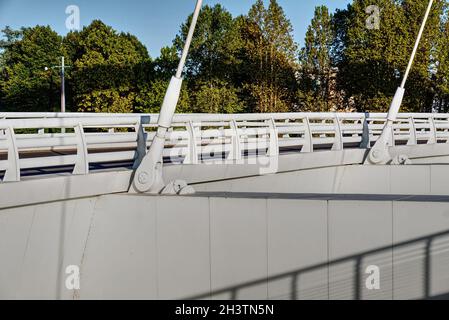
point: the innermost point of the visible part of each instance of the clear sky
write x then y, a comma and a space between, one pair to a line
154, 22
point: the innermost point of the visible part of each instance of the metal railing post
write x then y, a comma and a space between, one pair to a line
287, 121
433, 131
236, 147
392, 141
366, 135
273, 150
338, 144
12, 174
141, 140
413, 136
308, 138
192, 149
82, 161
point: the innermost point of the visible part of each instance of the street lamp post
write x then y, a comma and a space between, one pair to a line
62, 68
62, 85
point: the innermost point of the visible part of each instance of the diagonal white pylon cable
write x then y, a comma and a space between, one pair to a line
379, 153
148, 176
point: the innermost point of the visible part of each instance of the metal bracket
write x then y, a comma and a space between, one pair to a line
379, 153
147, 177
401, 160
366, 135
178, 187
141, 144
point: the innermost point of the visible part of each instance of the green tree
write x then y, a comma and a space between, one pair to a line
213, 53
24, 83
213, 61
269, 65
316, 65
151, 95
217, 98
167, 63
107, 68
441, 67
420, 87
373, 61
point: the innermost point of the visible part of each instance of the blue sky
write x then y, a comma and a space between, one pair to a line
154, 22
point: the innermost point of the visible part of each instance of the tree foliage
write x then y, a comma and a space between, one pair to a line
248, 63
108, 68
269, 58
374, 61
24, 83
316, 64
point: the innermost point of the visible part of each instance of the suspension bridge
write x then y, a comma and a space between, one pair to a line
235, 206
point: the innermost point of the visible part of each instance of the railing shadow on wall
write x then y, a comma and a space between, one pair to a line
419, 251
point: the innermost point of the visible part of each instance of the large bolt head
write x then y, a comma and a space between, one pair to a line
376, 154
143, 177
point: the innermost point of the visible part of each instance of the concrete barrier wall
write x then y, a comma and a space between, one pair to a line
143, 247
408, 180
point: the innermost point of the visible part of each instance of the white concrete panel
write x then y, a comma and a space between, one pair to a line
345, 179
183, 247
213, 186
439, 179
60, 187
410, 274
41, 271
120, 258
309, 181
147, 247
439, 267
421, 252
365, 179
267, 183
239, 248
15, 229
76, 232
294, 270
360, 235
256, 184
306, 181
409, 180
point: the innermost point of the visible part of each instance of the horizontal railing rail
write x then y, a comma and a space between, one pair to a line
44, 140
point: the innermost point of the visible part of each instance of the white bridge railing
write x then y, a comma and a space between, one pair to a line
36, 141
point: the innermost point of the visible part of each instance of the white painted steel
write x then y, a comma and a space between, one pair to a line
196, 138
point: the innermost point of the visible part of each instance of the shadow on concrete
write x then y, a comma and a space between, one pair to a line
420, 253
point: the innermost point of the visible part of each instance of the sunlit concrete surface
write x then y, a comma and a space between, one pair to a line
352, 179
227, 246
285, 208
